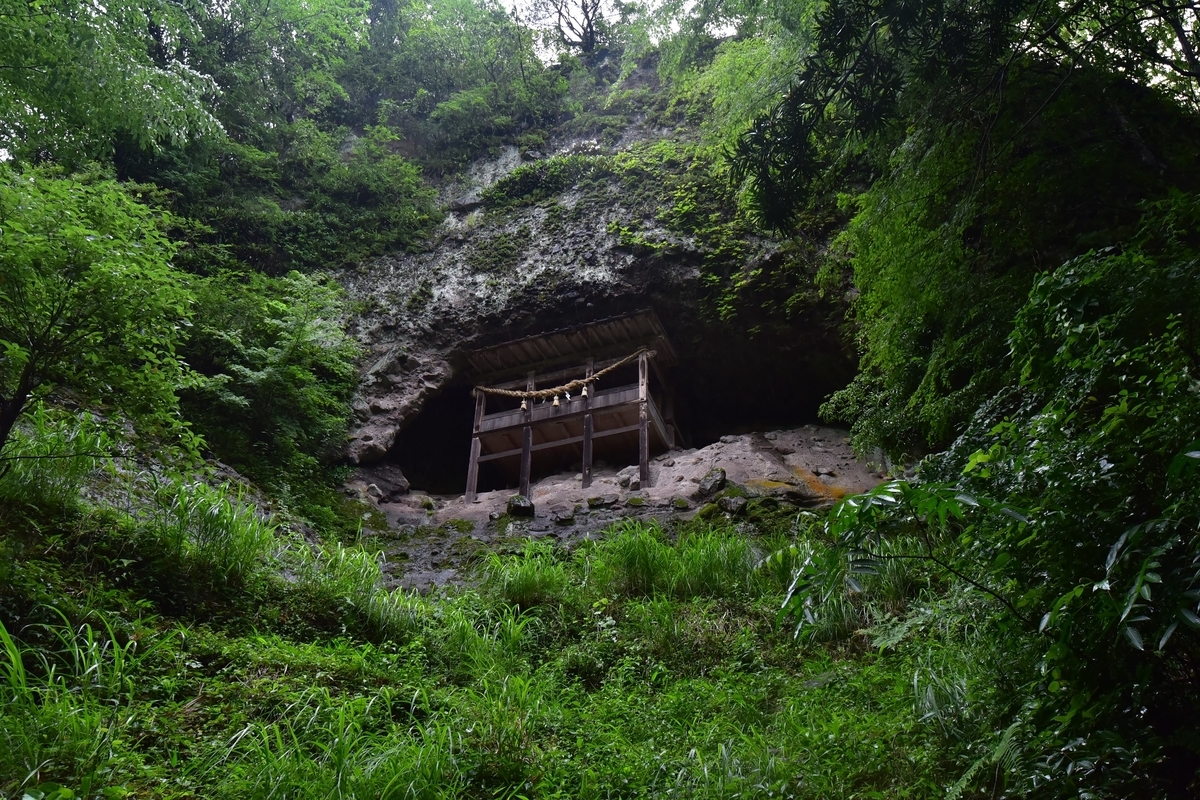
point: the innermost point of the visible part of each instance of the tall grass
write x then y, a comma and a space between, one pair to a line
208, 532
351, 577
48, 457
714, 564
65, 704
637, 561
536, 577
328, 747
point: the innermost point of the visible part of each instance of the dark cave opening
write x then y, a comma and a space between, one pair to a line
735, 385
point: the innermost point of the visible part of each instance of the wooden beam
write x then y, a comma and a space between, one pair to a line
527, 438
473, 464
473, 471
559, 443
643, 420
587, 429
544, 412
553, 377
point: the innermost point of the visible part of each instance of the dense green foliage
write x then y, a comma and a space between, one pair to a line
1070, 506
88, 301
78, 76
972, 146
1018, 183
1003, 194
275, 371
177, 661
279, 137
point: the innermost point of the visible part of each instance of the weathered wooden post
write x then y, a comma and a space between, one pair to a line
587, 427
669, 413
527, 437
473, 466
644, 419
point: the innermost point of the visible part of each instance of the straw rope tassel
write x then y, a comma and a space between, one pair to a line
581, 383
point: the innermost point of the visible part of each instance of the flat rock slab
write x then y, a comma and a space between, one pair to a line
436, 539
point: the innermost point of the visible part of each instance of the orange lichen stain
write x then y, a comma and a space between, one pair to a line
819, 486
765, 485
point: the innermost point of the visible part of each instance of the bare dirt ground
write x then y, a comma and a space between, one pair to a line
433, 540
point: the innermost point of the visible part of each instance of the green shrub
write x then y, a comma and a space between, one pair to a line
209, 534
535, 577
275, 373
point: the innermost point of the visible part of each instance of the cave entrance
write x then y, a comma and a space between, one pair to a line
432, 451
621, 410
726, 381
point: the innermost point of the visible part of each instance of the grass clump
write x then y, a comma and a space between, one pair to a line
533, 578
208, 533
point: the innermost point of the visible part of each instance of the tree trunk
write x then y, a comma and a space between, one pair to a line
10, 412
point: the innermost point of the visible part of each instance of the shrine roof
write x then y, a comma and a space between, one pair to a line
603, 338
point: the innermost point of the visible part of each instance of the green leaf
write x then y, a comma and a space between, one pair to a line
1134, 637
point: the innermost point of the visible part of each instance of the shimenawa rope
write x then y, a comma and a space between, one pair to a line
542, 394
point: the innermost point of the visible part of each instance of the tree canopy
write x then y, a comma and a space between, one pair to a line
89, 304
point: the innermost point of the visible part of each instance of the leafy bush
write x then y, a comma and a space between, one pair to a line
89, 302
1071, 505
276, 371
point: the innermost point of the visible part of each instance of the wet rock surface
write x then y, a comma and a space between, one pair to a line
714, 480
433, 540
494, 273
519, 506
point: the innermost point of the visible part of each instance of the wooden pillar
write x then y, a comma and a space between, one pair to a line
643, 420
669, 413
473, 466
587, 428
527, 438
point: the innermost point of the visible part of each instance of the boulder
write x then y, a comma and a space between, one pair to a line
732, 504
627, 475
520, 506
602, 501
562, 515
385, 482
712, 482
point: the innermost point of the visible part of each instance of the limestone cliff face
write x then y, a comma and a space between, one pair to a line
536, 241
419, 313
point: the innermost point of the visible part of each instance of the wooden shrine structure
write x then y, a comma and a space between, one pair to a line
603, 392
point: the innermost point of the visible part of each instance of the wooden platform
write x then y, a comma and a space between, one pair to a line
626, 422
614, 413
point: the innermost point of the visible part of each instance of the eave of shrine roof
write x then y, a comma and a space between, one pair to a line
600, 339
